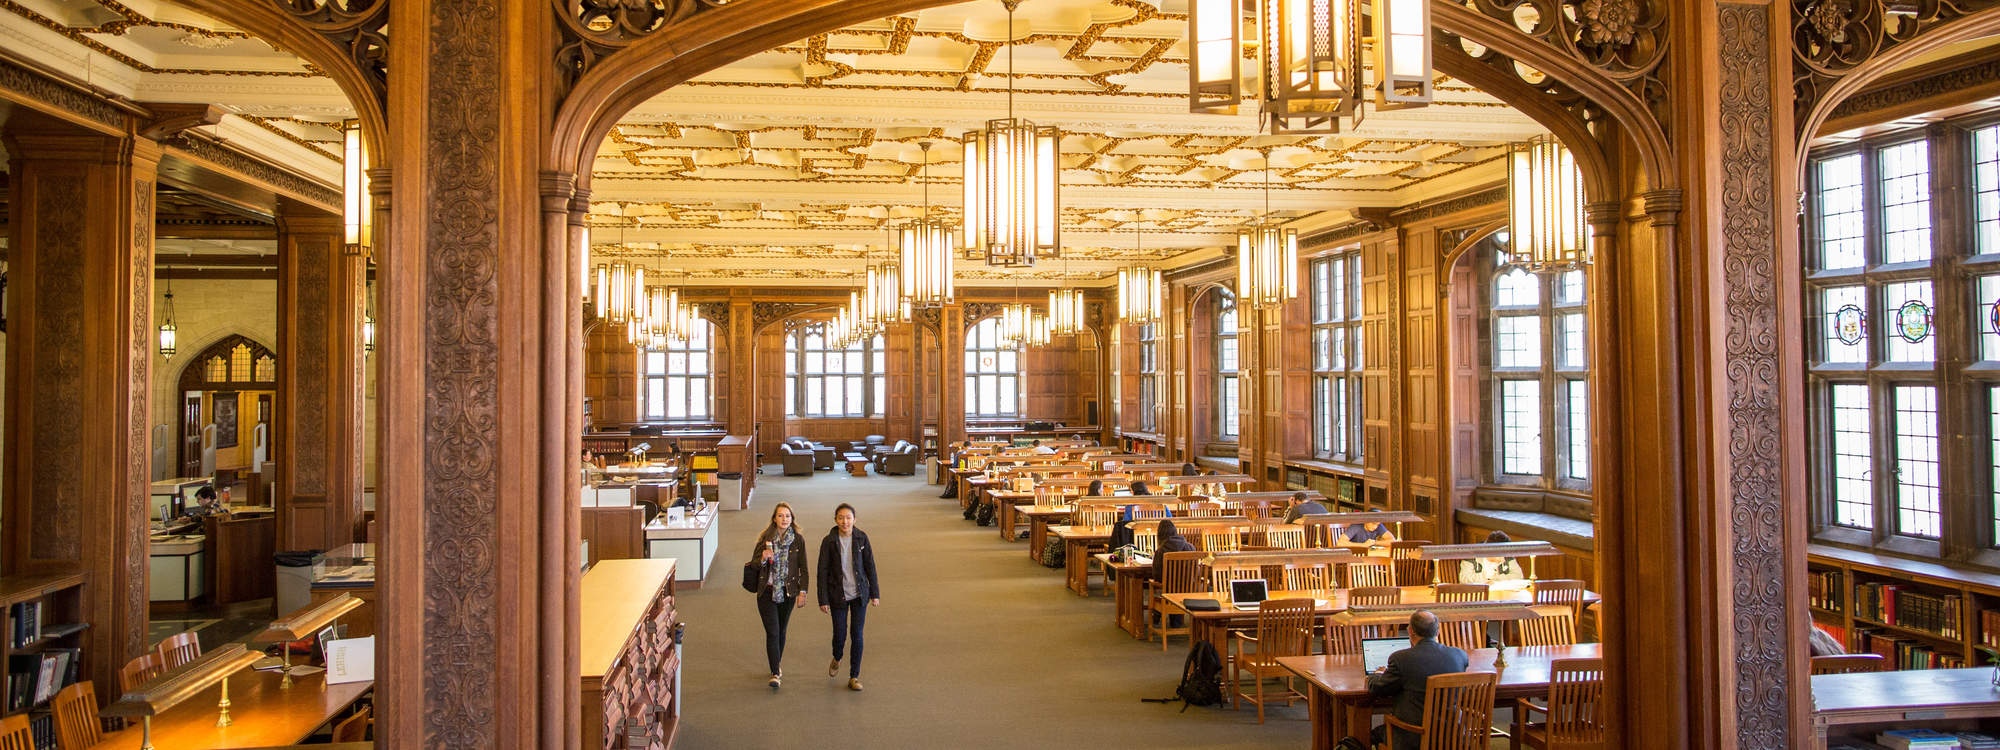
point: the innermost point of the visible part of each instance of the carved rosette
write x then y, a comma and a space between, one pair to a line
715, 312
1830, 38
359, 26
1625, 40
593, 29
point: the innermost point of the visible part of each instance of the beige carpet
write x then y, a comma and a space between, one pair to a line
974, 646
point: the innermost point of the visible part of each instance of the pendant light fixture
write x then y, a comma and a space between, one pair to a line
1545, 207
358, 220
1012, 169
1267, 257
169, 333
1066, 311
925, 247
1139, 288
1308, 59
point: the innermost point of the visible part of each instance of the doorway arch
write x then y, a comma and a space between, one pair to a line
211, 390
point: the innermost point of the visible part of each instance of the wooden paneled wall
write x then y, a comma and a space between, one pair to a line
611, 376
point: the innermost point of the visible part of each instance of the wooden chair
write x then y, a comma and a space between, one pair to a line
1284, 628
1575, 710
1410, 571
1221, 540
1282, 537
1368, 573
1462, 592
1178, 575
1463, 634
139, 670
1095, 516
179, 648
1458, 711
77, 725
1847, 663
1220, 576
1555, 627
16, 733
1367, 595
1145, 540
1568, 591
1150, 511
1345, 640
1204, 510
1306, 577
354, 728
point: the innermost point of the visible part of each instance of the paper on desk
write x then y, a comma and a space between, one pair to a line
350, 660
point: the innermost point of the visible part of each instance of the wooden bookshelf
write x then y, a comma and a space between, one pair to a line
55, 602
1918, 614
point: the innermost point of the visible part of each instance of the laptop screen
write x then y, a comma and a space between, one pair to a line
1375, 651
1251, 591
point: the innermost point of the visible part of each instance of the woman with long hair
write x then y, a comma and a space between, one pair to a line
782, 554
847, 588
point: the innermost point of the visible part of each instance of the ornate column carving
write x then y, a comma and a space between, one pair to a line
742, 354
951, 374
79, 367
319, 437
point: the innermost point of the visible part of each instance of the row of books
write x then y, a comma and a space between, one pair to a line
34, 678
1905, 653
26, 618
1905, 739
1989, 628
1826, 590
1904, 607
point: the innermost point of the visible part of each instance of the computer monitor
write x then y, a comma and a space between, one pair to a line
1375, 652
1248, 593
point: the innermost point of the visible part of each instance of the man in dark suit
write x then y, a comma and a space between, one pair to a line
1408, 671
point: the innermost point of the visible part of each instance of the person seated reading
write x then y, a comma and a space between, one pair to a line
1302, 507
1370, 534
206, 504
1408, 672
1140, 488
1490, 570
1096, 488
1042, 449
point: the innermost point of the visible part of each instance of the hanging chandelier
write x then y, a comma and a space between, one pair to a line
1545, 207
1038, 333
1014, 324
358, 220
925, 248
169, 333
1267, 257
1307, 59
1011, 175
1140, 295
1066, 311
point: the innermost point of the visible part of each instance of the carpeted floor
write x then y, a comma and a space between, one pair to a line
974, 646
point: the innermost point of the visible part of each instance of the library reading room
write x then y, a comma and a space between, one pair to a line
1218, 374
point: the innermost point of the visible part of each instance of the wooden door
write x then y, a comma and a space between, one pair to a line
190, 464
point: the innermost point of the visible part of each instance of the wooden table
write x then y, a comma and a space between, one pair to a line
857, 464
1008, 520
1214, 626
1077, 543
1128, 589
263, 713
1862, 704
1337, 691
962, 479
1039, 518
975, 489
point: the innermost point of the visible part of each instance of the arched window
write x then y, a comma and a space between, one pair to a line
1227, 390
677, 378
822, 381
1336, 344
1903, 293
992, 373
1537, 373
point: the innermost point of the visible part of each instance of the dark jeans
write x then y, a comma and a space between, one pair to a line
857, 610
777, 615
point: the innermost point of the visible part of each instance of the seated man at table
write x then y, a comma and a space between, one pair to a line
206, 504
1406, 675
1043, 450
1368, 534
1490, 570
1302, 507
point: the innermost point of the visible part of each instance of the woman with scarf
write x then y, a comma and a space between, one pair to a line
782, 553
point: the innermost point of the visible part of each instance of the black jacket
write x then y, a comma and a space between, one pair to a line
799, 578
1175, 543
1409, 670
833, 580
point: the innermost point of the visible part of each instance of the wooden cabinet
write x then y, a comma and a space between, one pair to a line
630, 659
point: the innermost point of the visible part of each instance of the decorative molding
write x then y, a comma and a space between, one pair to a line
57, 384
977, 311
32, 84
764, 313
1753, 342
312, 310
208, 150
1624, 40
361, 27
1410, 215
136, 489
170, 119
1832, 38
590, 30
715, 312
461, 342
1903, 92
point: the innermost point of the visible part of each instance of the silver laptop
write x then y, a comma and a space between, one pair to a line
1375, 651
1248, 594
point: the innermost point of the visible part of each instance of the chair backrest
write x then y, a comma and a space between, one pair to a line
1462, 592
1368, 573
1556, 626
1220, 540
1306, 577
1410, 571
1576, 703
1458, 710
1150, 511
1284, 628
1146, 540
1179, 573
16, 733
1220, 576
1558, 591
1845, 663
1463, 634
1204, 510
1367, 595
354, 728
1093, 516
139, 670
77, 725
1345, 640
179, 648
1283, 537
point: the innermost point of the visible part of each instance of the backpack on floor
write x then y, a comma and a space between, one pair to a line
1350, 743
971, 511
1052, 553
986, 511
1201, 679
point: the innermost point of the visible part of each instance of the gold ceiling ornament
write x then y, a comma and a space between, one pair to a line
1267, 258
1012, 169
1545, 222
926, 248
358, 219
1307, 59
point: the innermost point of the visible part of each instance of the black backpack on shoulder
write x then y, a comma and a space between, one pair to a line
1201, 679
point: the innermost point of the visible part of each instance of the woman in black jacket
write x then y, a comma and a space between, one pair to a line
782, 553
1170, 541
847, 587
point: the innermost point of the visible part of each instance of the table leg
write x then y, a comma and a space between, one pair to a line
1073, 565
1356, 719
1006, 515
1038, 538
1319, 705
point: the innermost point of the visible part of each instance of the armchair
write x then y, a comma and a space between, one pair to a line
797, 461
902, 461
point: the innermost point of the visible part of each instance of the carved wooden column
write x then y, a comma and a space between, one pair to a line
319, 436
79, 364
951, 375
741, 338
475, 347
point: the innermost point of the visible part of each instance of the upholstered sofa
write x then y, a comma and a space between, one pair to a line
900, 460
797, 461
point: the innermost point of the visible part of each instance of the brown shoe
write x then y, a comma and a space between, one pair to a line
854, 684
774, 682
833, 668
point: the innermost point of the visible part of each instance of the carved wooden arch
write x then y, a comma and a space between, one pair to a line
816, 311
192, 374
1844, 84
1451, 257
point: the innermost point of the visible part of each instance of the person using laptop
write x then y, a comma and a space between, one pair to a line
1405, 676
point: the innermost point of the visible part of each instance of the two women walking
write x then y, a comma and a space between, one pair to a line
847, 586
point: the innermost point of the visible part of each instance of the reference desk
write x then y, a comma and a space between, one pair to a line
263, 713
1861, 705
1337, 693
690, 542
